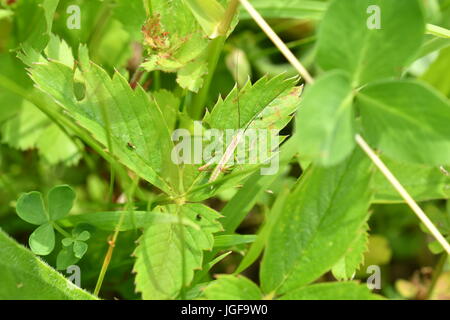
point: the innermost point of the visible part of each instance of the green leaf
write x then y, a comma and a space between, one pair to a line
42, 240
30, 128
370, 53
168, 254
209, 14
79, 249
332, 291
241, 107
347, 266
257, 247
60, 201
30, 208
66, 257
407, 120
132, 117
228, 287
131, 220
434, 75
321, 218
422, 182
24, 276
325, 124
35, 19
191, 76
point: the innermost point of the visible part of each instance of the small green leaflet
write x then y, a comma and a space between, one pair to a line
325, 120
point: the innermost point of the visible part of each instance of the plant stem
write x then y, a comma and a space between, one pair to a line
277, 41
61, 230
360, 141
112, 241
438, 31
402, 191
213, 52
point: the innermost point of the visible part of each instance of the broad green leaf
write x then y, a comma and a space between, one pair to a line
33, 23
168, 254
228, 287
209, 14
325, 124
407, 120
30, 208
288, 9
132, 116
385, 35
60, 201
24, 276
321, 218
42, 240
347, 266
131, 220
422, 182
332, 291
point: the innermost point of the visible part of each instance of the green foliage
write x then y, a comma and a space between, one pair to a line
26, 277
30, 207
325, 120
168, 254
228, 287
100, 108
373, 51
320, 220
332, 291
396, 120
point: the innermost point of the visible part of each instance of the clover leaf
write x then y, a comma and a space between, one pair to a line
30, 208
74, 247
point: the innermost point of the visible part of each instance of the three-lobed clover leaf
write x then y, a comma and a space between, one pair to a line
77, 242
30, 208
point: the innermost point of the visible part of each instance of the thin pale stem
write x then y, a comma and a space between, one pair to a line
277, 41
438, 31
361, 142
402, 191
